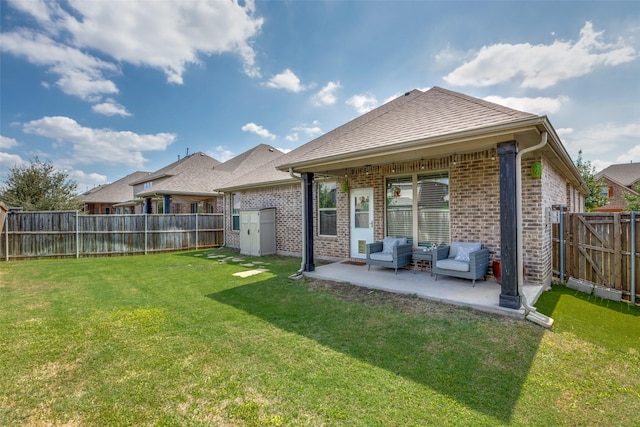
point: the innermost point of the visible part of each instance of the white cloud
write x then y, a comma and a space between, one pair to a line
541, 66
8, 161
79, 74
6, 142
309, 130
222, 154
169, 37
111, 108
99, 145
286, 80
617, 141
294, 137
258, 130
86, 181
326, 95
539, 105
363, 103
633, 155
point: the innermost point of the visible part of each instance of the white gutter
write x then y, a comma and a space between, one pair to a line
298, 273
530, 312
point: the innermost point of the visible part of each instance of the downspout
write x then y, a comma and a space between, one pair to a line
298, 273
530, 311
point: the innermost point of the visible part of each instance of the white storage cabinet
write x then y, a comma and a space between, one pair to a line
258, 232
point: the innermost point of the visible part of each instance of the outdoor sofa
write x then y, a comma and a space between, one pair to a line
392, 252
467, 260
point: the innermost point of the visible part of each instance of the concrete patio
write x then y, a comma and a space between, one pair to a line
483, 297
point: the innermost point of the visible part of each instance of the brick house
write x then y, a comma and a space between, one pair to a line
188, 185
114, 198
433, 166
617, 181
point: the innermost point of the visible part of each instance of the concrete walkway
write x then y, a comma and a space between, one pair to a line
484, 296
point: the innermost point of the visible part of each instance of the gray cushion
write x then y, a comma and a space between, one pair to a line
463, 254
381, 256
452, 264
390, 242
473, 246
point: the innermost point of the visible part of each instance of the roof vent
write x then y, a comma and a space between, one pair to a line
407, 93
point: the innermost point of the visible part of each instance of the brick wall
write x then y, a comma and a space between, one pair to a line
287, 201
474, 189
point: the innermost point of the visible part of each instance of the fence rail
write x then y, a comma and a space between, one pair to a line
68, 234
601, 248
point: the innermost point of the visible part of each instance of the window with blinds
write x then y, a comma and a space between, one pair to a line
433, 209
400, 207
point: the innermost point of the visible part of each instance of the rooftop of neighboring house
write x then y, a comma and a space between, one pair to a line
115, 192
625, 174
199, 161
199, 174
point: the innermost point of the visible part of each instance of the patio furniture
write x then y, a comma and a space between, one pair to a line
392, 252
422, 256
467, 260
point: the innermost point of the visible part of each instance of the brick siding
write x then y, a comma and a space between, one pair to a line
474, 200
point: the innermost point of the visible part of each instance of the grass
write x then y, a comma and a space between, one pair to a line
178, 339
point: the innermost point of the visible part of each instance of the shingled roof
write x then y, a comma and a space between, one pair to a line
625, 174
116, 192
199, 174
415, 116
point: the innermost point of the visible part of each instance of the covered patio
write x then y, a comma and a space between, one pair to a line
485, 296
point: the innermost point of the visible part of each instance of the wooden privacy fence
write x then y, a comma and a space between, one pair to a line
601, 248
68, 234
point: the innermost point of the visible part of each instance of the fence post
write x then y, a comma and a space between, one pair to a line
561, 243
196, 231
77, 236
632, 256
6, 237
146, 228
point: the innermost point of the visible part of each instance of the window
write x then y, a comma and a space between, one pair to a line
418, 208
235, 211
327, 212
433, 209
400, 207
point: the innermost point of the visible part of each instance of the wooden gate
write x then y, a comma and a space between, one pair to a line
598, 247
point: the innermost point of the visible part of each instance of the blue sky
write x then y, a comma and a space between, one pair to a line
106, 88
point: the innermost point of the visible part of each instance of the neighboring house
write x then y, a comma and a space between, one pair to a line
188, 185
434, 166
180, 187
618, 180
114, 198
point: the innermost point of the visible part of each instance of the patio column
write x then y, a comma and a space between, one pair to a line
307, 211
509, 297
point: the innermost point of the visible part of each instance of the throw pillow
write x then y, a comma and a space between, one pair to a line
388, 244
463, 254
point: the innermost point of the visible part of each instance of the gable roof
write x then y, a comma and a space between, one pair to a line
625, 174
201, 175
195, 161
416, 116
437, 122
116, 192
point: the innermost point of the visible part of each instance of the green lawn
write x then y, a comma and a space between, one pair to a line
177, 339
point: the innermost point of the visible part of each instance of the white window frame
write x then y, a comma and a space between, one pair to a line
333, 209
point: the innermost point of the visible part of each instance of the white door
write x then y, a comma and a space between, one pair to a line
361, 201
